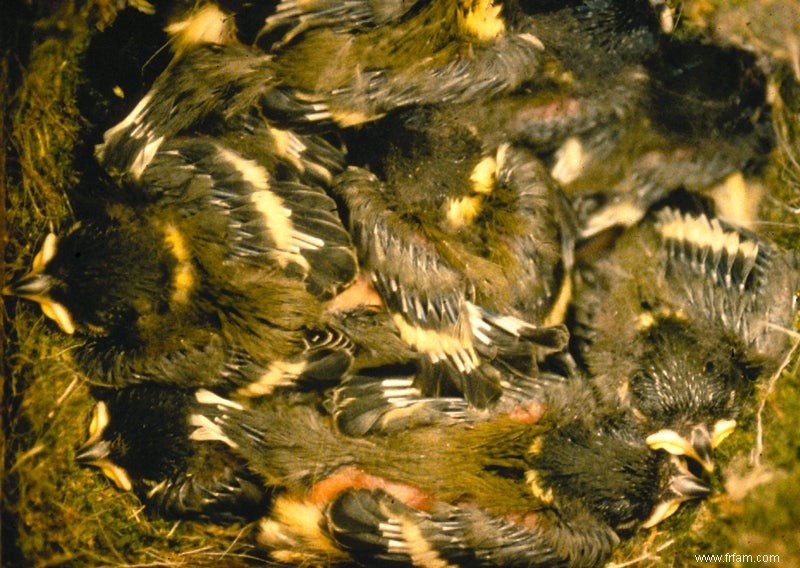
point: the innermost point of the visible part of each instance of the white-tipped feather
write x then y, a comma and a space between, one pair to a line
204, 396
145, 156
134, 117
208, 431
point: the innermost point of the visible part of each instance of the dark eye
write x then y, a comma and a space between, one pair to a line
119, 447
78, 254
710, 368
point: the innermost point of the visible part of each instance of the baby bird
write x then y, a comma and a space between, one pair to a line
140, 435
548, 484
436, 51
211, 269
469, 249
626, 113
677, 128
140, 439
596, 73
678, 322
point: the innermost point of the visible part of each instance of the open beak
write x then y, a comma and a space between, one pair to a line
701, 443
683, 487
32, 286
91, 453
36, 286
97, 455
96, 451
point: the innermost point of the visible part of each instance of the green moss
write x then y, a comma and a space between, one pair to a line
56, 513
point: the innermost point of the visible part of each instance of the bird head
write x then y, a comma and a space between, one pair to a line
604, 463
38, 286
139, 438
680, 485
689, 389
97, 279
138, 433
100, 451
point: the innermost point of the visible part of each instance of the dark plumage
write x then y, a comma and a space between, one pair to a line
597, 50
139, 438
212, 268
470, 249
694, 115
140, 434
378, 400
292, 18
626, 113
545, 483
439, 50
679, 320
737, 278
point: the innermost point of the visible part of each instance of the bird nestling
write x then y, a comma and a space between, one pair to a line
469, 250
597, 50
212, 268
679, 321
139, 438
140, 435
548, 483
696, 114
626, 113
438, 50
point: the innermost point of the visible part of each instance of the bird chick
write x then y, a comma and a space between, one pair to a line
469, 250
139, 437
626, 114
210, 269
539, 486
595, 78
140, 434
678, 322
439, 51
682, 130
443, 50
